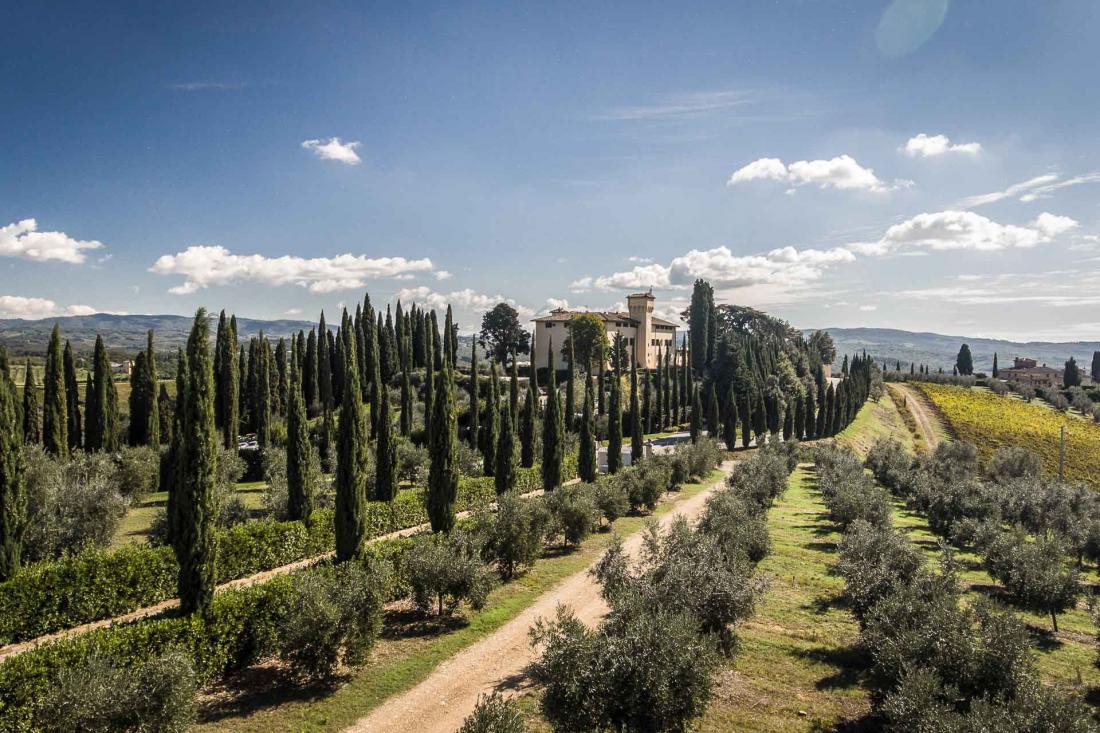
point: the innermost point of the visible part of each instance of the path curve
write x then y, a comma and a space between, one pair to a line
921, 412
440, 702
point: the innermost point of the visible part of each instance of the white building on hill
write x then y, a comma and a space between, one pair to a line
645, 333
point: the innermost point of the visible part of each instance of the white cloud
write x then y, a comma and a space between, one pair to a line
334, 149
842, 173
467, 299
205, 265
954, 230
22, 239
556, 303
17, 306
1053, 289
868, 308
442, 275
1033, 189
927, 146
292, 312
638, 278
679, 106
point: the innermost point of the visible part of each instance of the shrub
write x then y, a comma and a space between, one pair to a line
444, 570
738, 526
157, 696
641, 673
573, 514
1013, 462
645, 483
760, 479
1035, 573
610, 499
514, 535
333, 615
412, 463
889, 462
874, 562
494, 714
137, 472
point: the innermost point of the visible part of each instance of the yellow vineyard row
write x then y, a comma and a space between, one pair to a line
989, 422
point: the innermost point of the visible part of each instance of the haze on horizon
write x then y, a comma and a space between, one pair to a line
916, 164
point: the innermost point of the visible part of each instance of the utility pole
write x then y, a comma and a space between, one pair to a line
1062, 454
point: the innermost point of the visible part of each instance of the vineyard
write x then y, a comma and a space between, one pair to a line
991, 422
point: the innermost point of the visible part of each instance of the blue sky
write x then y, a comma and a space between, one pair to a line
923, 164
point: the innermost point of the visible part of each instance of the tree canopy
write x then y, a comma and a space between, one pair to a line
502, 334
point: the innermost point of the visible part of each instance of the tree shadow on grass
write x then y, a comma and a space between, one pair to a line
821, 546
258, 688
824, 604
1043, 639
869, 723
411, 623
848, 661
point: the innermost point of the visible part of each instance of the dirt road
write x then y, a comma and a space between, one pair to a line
442, 701
927, 423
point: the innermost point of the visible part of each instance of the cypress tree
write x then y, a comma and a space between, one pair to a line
166, 414
139, 428
75, 429
570, 415
674, 398
443, 445
504, 477
282, 387
771, 404
261, 404
685, 382
492, 422
152, 408
527, 427
229, 387
106, 398
406, 424
339, 363
837, 413
221, 345
667, 388
647, 402
90, 408
324, 365
352, 464
377, 385
243, 393
473, 415
729, 423
309, 373
811, 413
997, 371
13, 497
195, 503
657, 423
601, 381
55, 422
635, 416
429, 399
746, 422
615, 427
299, 454
32, 426
513, 392
696, 416
552, 437
788, 423
760, 416
587, 466
385, 462
800, 417
714, 425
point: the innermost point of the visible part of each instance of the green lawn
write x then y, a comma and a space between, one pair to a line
134, 527
406, 654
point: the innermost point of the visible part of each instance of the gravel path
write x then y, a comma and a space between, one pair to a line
926, 421
442, 701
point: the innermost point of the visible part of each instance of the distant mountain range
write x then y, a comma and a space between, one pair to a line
937, 350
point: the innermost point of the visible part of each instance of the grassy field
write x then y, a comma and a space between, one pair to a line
875, 420
989, 422
408, 651
135, 525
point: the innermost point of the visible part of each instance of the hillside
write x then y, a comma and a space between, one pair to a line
938, 350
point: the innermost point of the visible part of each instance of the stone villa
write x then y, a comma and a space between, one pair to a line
645, 333
1027, 371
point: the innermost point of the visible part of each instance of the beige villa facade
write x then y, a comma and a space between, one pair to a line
645, 334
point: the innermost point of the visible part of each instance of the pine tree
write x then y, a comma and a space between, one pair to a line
696, 416
473, 415
552, 437
713, 416
492, 422
352, 464
636, 435
443, 445
299, 454
324, 365
587, 466
997, 371
385, 462
32, 425
965, 362
615, 427
13, 497
504, 475
528, 421
196, 470
729, 424
74, 428
55, 423
570, 416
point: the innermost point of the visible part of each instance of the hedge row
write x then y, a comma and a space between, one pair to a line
52, 596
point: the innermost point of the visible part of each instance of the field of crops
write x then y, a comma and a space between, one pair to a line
989, 422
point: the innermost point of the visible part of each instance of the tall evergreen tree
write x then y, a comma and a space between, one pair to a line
997, 371
229, 387
195, 477
615, 427
760, 416
166, 414
799, 417
443, 446
244, 395
811, 415
674, 398
473, 414
309, 373
282, 385
378, 386
55, 422
139, 428
729, 420
75, 427
528, 421
385, 462
1095, 368
299, 453
492, 422
788, 422
601, 382
746, 422
324, 365
151, 407
430, 373
714, 417
504, 475
406, 420
658, 422
32, 425
261, 402
965, 362
636, 436
13, 493
513, 392
552, 437
696, 416
647, 402
1071, 375
588, 467
570, 415
352, 464
221, 345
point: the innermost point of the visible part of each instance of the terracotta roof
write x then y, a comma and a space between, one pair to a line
1031, 370
564, 315
663, 322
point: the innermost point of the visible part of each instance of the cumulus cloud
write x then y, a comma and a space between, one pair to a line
17, 306
334, 149
467, 299
842, 173
928, 146
205, 265
1033, 189
638, 278
22, 239
955, 230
